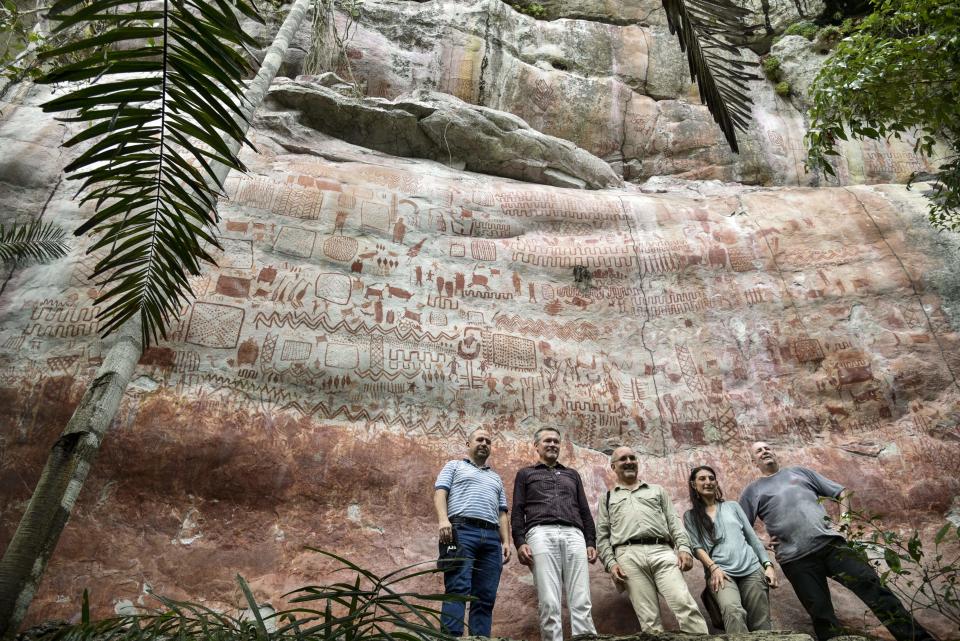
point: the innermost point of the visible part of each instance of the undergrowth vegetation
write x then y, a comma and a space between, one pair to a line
924, 576
367, 606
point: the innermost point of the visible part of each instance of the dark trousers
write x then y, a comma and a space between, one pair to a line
837, 560
478, 575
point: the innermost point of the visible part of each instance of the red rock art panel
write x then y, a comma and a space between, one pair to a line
345, 346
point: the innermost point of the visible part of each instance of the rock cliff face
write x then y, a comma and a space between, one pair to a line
370, 309
605, 75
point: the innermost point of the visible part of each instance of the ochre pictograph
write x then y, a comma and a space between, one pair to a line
215, 325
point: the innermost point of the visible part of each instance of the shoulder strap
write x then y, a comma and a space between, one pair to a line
608, 502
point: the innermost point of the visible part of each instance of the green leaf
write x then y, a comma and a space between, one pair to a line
254, 608
942, 532
85, 608
893, 560
915, 547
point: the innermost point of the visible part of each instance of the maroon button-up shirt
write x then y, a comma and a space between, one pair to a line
550, 496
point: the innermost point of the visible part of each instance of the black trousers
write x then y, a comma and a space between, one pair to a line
808, 576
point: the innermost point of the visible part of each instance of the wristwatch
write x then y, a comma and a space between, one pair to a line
767, 564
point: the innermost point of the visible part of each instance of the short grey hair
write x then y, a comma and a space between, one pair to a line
474, 431
536, 435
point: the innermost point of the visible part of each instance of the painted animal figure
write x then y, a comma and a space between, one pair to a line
396, 292
477, 280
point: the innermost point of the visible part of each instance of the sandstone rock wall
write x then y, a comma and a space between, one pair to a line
607, 76
368, 310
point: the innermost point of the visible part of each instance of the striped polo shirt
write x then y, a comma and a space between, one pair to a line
474, 492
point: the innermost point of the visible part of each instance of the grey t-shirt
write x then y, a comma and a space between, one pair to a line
787, 503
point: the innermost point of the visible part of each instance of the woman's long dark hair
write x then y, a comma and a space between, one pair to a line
701, 520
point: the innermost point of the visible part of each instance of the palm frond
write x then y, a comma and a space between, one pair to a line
708, 31
36, 240
159, 98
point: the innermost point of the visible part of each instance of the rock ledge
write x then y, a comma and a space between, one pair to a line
427, 124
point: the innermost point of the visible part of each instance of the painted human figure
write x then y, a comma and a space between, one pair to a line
471, 506
555, 537
399, 231
340, 221
644, 547
809, 550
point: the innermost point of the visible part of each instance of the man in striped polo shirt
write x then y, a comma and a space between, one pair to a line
471, 509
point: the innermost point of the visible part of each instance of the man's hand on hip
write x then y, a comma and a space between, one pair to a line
525, 555
446, 531
592, 554
684, 560
506, 553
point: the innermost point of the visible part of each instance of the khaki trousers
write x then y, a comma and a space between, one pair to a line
744, 603
652, 570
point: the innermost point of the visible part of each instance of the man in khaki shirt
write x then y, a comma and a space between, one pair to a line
637, 531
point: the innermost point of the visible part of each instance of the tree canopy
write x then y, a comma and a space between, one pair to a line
896, 72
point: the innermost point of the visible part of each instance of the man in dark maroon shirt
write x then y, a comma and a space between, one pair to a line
555, 536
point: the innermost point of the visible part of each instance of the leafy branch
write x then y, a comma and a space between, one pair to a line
36, 240
25, 43
923, 578
895, 75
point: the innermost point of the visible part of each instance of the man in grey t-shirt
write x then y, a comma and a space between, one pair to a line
787, 500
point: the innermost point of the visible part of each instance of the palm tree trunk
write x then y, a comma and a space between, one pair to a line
67, 467
74, 452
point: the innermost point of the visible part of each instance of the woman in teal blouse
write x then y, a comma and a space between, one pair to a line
737, 568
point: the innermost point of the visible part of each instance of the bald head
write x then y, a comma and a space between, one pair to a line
764, 458
623, 461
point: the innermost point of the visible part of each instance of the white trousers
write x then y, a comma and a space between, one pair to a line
560, 557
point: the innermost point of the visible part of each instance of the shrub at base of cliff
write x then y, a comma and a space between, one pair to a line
896, 75
922, 578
